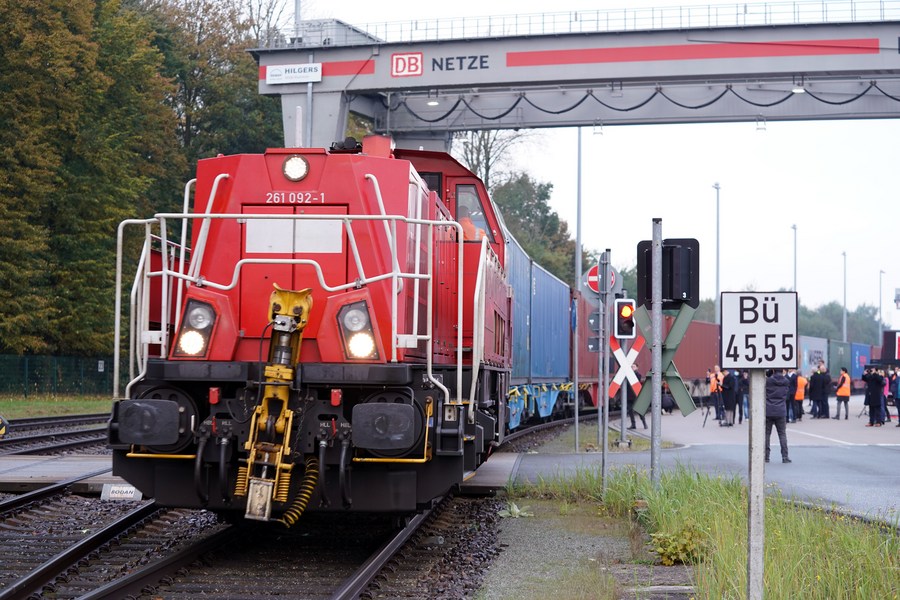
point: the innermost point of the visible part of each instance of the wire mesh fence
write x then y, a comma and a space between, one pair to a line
55, 375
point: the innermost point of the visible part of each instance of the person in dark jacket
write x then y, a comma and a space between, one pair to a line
729, 400
743, 396
874, 391
819, 388
776, 410
632, 397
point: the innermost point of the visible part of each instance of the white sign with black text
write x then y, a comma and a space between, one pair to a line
759, 330
298, 73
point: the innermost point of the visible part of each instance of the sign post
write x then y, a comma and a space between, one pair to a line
606, 281
759, 332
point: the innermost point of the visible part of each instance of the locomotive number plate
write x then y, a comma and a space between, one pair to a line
295, 197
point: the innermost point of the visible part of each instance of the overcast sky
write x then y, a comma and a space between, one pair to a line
837, 181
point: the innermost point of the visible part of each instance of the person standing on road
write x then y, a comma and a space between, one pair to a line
874, 392
714, 379
631, 397
743, 396
728, 397
843, 394
776, 410
819, 387
799, 396
895, 391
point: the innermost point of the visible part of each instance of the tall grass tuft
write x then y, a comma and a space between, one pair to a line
702, 520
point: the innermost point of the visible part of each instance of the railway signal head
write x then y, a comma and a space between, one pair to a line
624, 328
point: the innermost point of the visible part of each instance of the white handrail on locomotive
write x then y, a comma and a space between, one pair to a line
139, 345
185, 208
487, 254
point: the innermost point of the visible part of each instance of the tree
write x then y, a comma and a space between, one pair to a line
84, 137
46, 61
123, 140
524, 204
214, 99
487, 152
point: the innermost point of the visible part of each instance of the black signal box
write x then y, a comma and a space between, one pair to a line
680, 273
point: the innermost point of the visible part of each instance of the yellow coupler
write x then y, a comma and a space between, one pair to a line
267, 474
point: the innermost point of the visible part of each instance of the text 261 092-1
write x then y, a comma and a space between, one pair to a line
295, 197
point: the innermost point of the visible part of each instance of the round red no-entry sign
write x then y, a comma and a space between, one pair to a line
593, 279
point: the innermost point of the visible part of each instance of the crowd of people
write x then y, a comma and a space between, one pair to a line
786, 392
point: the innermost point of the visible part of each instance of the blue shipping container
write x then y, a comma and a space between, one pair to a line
550, 309
518, 266
861, 356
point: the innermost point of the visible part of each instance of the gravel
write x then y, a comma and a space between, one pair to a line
562, 551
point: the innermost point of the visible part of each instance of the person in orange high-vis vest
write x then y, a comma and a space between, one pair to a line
799, 395
843, 394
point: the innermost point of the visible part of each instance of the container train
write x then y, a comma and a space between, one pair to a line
343, 329
331, 330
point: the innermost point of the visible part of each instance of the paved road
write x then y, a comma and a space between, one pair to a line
841, 463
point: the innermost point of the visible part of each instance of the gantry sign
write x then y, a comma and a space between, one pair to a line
419, 92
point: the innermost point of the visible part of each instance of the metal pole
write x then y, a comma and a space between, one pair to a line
844, 314
718, 307
603, 425
656, 328
794, 227
623, 399
880, 317
756, 497
575, 340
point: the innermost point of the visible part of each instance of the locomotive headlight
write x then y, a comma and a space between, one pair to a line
191, 343
355, 323
361, 345
295, 168
355, 319
196, 329
200, 316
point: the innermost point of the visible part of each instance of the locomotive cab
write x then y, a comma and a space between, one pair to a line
329, 340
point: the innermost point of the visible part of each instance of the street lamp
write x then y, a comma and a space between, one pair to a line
880, 317
844, 254
718, 308
794, 227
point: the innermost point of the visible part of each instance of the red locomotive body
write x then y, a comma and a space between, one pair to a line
331, 340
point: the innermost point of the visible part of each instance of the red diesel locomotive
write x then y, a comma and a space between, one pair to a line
328, 340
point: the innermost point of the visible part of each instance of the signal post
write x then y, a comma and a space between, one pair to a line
759, 332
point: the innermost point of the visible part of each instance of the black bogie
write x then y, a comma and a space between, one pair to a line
401, 477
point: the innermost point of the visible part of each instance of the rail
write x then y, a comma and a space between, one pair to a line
142, 336
330, 32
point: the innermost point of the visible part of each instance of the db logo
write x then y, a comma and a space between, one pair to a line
406, 65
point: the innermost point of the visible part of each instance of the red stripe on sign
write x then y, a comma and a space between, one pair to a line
348, 67
699, 51
337, 68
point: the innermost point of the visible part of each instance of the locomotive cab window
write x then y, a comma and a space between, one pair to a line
470, 214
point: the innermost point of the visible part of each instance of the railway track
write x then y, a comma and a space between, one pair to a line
47, 435
60, 545
51, 548
56, 441
32, 423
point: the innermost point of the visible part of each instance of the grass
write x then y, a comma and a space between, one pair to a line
14, 407
808, 553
